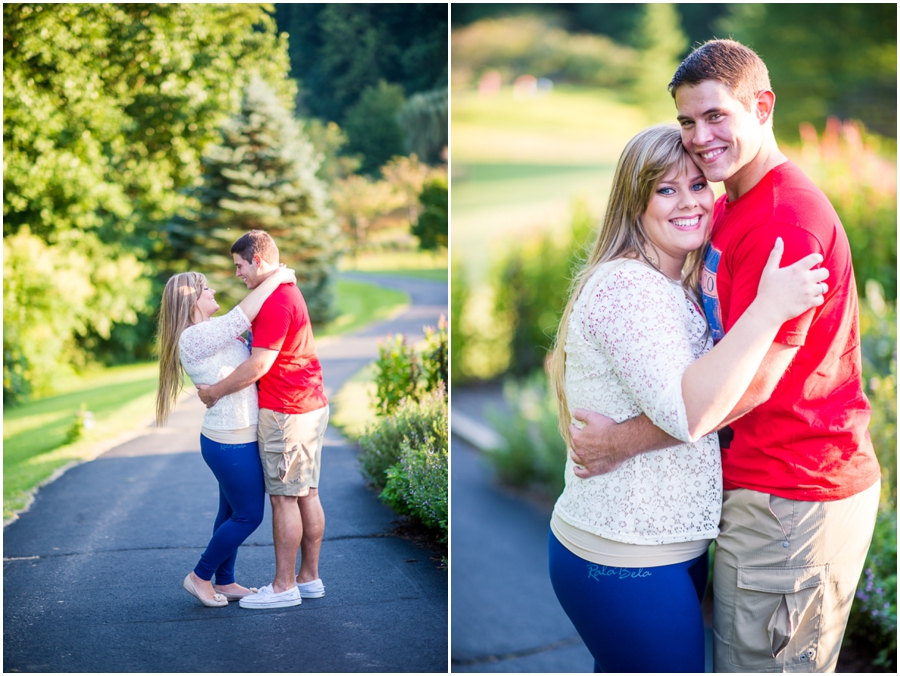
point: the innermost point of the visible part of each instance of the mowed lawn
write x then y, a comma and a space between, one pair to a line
519, 165
121, 400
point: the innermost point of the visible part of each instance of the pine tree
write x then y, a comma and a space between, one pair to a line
262, 175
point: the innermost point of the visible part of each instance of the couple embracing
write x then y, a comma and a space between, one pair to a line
256, 440
681, 324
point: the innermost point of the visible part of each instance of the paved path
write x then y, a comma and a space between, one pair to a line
92, 572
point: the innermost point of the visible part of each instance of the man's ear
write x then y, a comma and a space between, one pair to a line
765, 105
257, 259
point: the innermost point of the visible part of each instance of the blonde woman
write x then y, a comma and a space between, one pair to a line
208, 350
628, 549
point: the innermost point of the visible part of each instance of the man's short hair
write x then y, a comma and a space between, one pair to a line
726, 61
256, 242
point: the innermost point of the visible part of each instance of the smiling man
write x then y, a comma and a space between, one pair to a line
800, 475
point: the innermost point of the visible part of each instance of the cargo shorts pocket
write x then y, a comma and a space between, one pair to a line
288, 458
777, 614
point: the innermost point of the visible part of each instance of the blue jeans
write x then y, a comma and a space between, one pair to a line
241, 505
634, 619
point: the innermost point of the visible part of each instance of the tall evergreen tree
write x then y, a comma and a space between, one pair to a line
262, 175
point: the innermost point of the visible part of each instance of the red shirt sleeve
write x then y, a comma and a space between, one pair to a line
746, 262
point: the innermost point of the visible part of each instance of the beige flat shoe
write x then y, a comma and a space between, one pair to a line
231, 596
217, 601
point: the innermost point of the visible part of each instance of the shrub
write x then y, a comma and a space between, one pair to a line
435, 356
405, 457
873, 618
402, 374
417, 485
381, 444
531, 287
397, 376
534, 455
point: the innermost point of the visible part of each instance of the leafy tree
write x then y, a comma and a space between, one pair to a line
424, 117
432, 229
338, 50
106, 110
329, 141
262, 175
359, 201
373, 127
407, 176
53, 295
660, 44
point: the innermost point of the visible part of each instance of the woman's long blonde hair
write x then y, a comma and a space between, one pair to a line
176, 313
647, 158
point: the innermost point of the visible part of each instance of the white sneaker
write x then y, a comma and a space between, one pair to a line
312, 590
267, 598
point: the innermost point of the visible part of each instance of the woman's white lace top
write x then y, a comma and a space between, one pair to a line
210, 351
632, 333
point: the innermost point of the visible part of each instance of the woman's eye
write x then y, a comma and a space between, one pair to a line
666, 191
697, 187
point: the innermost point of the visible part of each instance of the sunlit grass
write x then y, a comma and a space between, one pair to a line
571, 125
360, 304
352, 406
34, 434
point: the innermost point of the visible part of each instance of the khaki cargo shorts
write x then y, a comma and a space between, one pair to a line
784, 576
290, 448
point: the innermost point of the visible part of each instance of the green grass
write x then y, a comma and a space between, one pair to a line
121, 398
518, 166
34, 434
352, 405
572, 125
360, 304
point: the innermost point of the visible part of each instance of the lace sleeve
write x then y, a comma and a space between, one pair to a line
635, 318
205, 339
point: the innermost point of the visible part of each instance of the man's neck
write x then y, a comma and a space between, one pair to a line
266, 271
768, 157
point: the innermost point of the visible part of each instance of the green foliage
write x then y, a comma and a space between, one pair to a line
432, 228
840, 62
459, 299
416, 482
398, 374
329, 141
381, 444
873, 617
859, 176
424, 117
434, 356
106, 110
661, 45
403, 374
262, 175
54, 294
372, 125
337, 50
529, 44
534, 454
530, 286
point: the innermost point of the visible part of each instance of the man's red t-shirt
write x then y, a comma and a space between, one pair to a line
810, 440
294, 383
